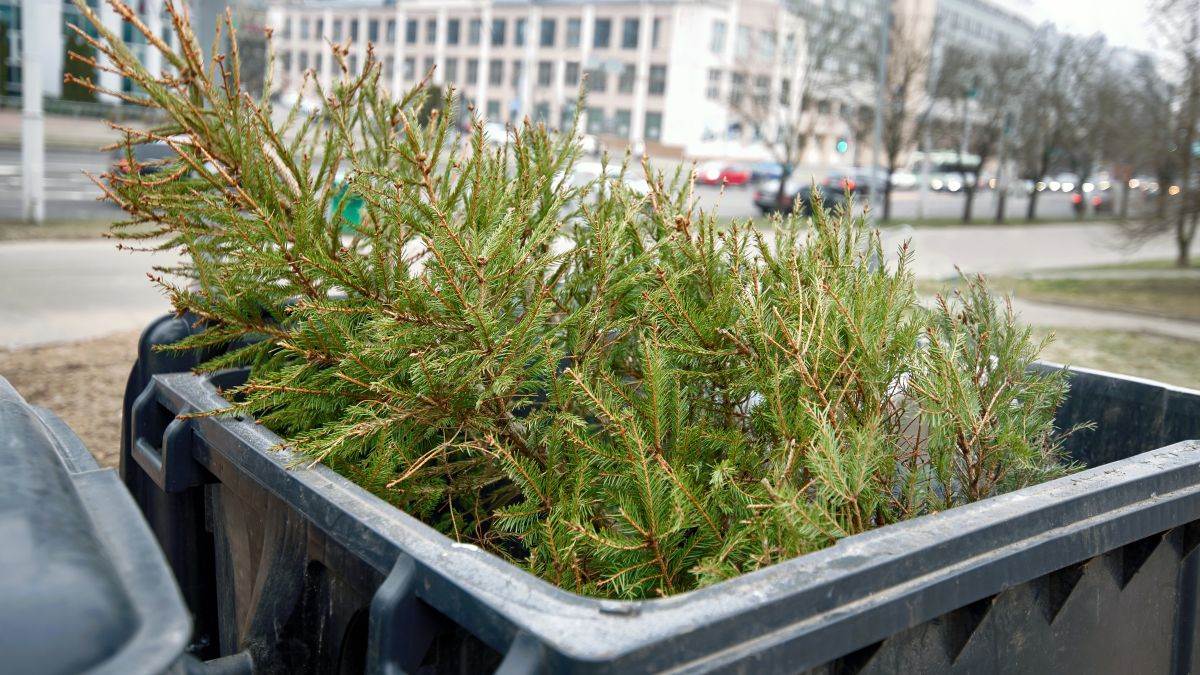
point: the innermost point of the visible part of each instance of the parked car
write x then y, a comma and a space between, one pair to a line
587, 172
796, 195
946, 182
722, 173
1100, 200
904, 180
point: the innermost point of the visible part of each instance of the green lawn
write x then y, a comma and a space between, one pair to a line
1165, 359
68, 229
1172, 298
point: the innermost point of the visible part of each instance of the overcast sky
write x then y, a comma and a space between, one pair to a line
1122, 21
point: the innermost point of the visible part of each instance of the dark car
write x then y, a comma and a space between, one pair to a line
796, 196
148, 158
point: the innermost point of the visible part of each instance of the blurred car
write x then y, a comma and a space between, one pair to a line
866, 180
591, 146
761, 171
586, 173
148, 158
946, 182
795, 195
904, 180
722, 173
1101, 201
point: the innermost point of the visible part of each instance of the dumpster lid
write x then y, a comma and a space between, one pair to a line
85, 587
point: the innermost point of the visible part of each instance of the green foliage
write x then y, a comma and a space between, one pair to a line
605, 387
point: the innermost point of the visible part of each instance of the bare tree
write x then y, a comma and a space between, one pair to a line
905, 96
833, 49
1044, 119
1178, 23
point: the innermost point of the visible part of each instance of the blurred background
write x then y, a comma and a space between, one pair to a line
1051, 144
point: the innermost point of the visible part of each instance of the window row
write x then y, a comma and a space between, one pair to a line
548, 35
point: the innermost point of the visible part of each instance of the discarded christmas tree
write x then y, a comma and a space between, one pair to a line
612, 389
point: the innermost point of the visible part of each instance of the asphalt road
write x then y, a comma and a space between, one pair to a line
56, 291
71, 196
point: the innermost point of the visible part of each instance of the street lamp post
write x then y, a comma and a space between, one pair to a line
33, 133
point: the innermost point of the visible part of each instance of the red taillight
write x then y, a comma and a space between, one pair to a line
1076, 199
1096, 201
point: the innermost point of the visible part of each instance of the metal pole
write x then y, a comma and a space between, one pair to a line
33, 135
880, 90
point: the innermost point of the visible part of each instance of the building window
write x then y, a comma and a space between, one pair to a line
303, 29
785, 91
655, 32
627, 78
453, 27
353, 64
571, 73
431, 31
824, 107
621, 122
566, 117
429, 61
597, 79
713, 92
737, 88
318, 62
320, 30
717, 45
410, 69
373, 30
303, 61
603, 33
391, 31
451, 70
337, 30
493, 109
496, 72
653, 126
389, 68
762, 90
545, 73
629, 34
410, 32
742, 48
474, 31
519, 32
286, 65
549, 26
574, 30
541, 112
498, 27
472, 71
595, 122
287, 27
658, 80
518, 69
353, 30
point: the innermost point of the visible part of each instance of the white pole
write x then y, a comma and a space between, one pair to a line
33, 141
880, 84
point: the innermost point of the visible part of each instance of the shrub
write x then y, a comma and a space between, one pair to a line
612, 389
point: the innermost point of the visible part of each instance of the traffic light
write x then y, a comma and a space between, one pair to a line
841, 146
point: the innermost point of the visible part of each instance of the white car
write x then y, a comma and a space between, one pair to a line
904, 180
588, 172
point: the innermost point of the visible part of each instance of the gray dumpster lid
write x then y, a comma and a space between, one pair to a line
84, 586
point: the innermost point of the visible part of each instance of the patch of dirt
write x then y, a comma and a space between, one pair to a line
81, 382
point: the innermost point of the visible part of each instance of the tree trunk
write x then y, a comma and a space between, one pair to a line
1001, 202
969, 204
1124, 212
781, 191
1031, 209
887, 198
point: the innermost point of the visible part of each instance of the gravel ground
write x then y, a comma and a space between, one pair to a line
82, 382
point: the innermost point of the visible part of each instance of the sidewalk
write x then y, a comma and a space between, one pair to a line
62, 132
